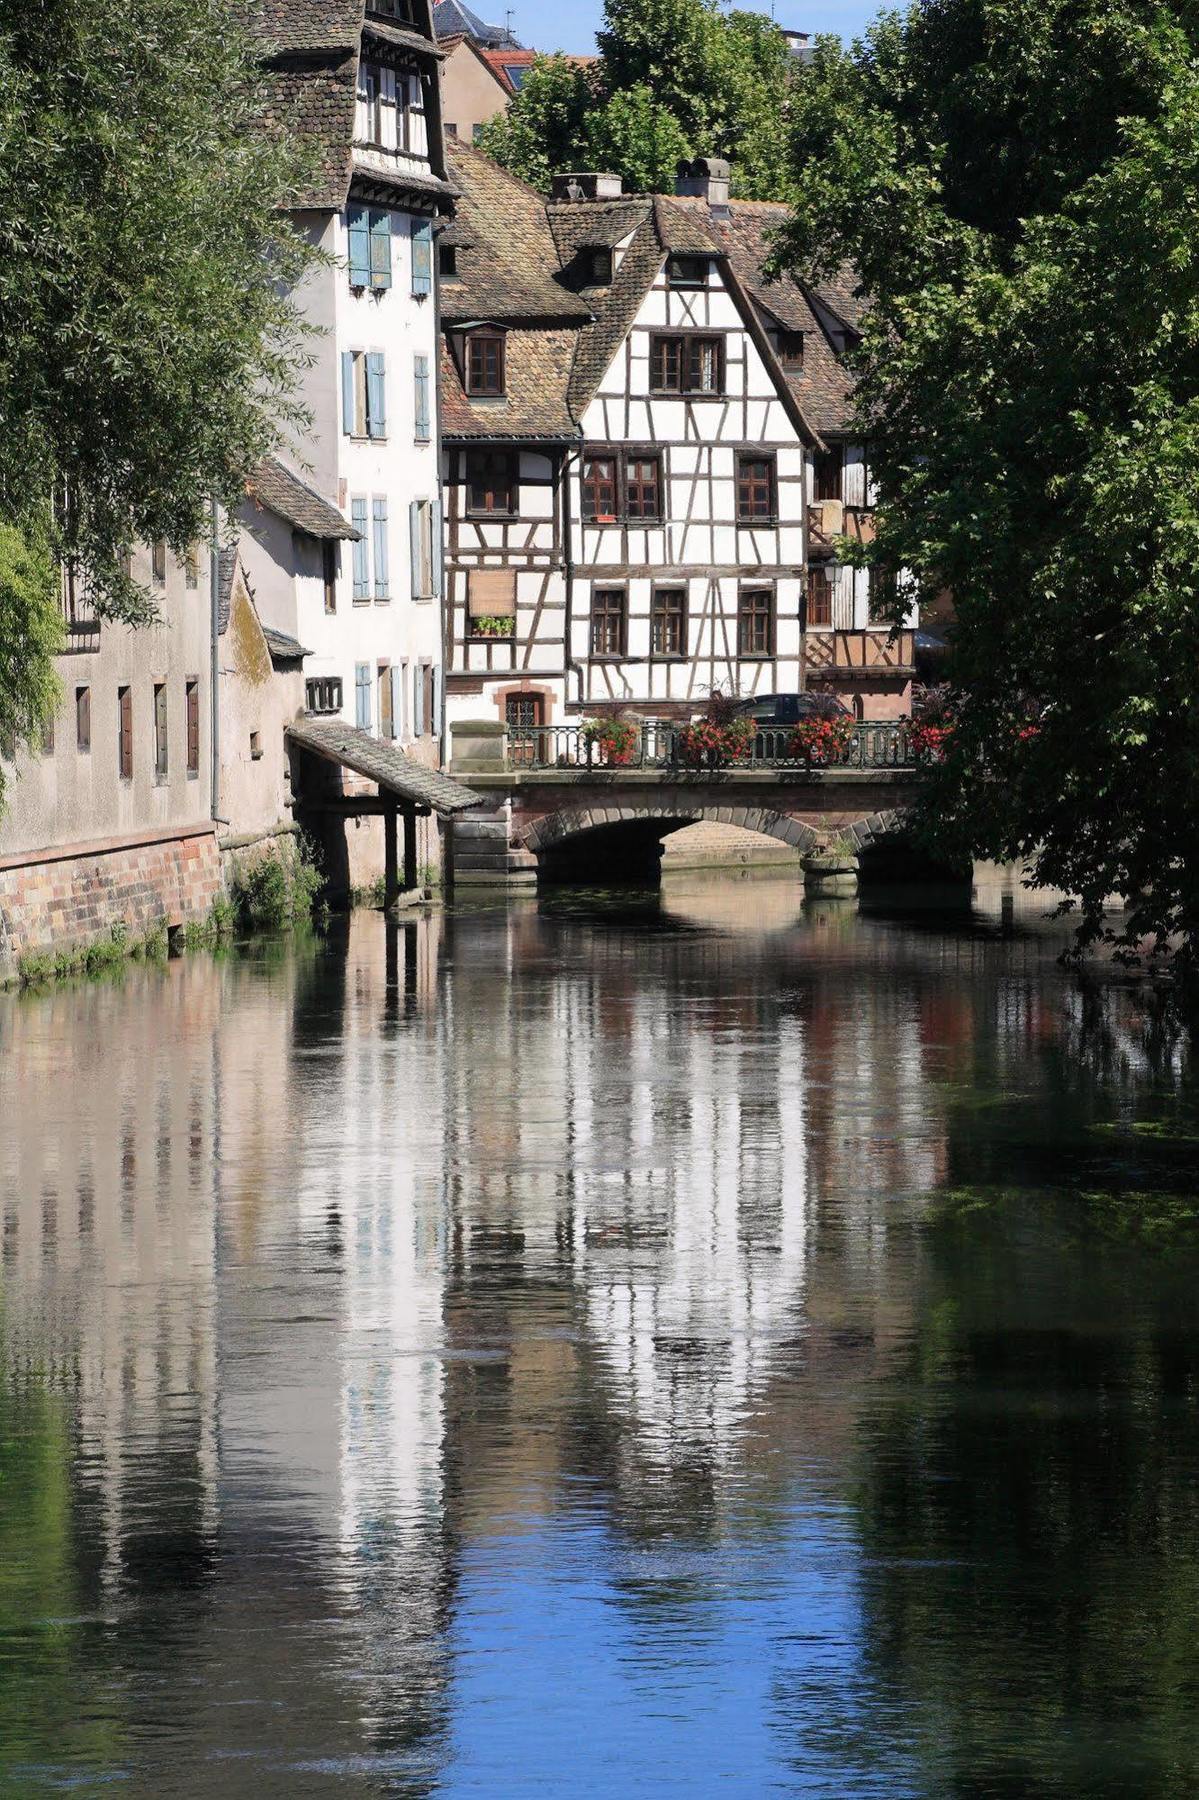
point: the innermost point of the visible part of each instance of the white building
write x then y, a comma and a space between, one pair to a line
647, 459
359, 84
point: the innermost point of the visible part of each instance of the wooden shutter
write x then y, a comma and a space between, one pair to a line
491, 593
125, 732
387, 724
422, 259
362, 696
414, 548
347, 392
358, 222
379, 537
438, 693
380, 250
193, 728
436, 562
396, 677
421, 384
376, 394
362, 561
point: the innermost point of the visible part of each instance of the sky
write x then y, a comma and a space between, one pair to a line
571, 24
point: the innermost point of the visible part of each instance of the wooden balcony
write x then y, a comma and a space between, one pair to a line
869, 655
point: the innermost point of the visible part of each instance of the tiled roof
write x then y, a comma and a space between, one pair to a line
599, 342
308, 25
452, 18
510, 270
537, 375
316, 104
380, 761
283, 492
282, 646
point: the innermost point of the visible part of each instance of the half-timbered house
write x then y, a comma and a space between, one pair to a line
633, 458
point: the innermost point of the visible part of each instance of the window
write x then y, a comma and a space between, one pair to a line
329, 574
882, 594
492, 482
393, 9
668, 622
369, 230
476, 132
828, 474
755, 622
599, 487
160, 730
450, 127
83, 720
424, 531
387, 723
755, 489
158, 560
78, 607
422, 259
820, 596
255, 746
597, 265
191, 694
789, 345
491, 603
379, 546
643, 486
363, 394
608, 615
125, 733
362, 554
485, 362
447, 254
687, 271
377, 120
418, 702
191, 566
362, 696
323, 694
429, 683
686, 365
421, 430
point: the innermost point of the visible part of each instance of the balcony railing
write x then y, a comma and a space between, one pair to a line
873, 744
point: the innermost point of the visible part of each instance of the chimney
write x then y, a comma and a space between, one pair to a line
586, 184
707, 178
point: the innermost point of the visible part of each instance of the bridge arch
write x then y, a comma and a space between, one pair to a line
554, 833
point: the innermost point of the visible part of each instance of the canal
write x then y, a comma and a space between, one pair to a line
670, 1344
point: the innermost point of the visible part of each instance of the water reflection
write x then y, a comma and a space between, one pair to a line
655, 1344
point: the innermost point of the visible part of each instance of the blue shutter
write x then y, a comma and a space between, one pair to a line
396, 677
359, 223
376, 395
414, 546
347, 392
362, 696
362, 564
418, 700
421, 378
422, 259
379, 535
435, 547
438, 689
380, 250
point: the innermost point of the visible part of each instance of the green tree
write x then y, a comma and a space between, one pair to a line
1016, 186
147, 339
675, 78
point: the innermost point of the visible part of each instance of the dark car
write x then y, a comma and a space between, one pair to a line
789, 709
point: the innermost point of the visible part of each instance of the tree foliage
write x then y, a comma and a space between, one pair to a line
1017, 185
147, 341
674, 79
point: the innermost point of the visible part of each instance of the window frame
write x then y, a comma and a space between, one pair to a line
511, 483
588, 488
747, 614
621, 457
83, 719
746, 487
326, 687
634, 455
620, 591
696, 281
658, 614
819, 575
686, 342
162, 738
789, 348
823, 461
124, 731
479, 340
191, 715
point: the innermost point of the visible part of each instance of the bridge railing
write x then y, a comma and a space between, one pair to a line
656, 744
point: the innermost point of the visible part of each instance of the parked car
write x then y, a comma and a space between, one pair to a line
789, 709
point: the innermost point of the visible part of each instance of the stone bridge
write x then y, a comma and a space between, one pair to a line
597, 824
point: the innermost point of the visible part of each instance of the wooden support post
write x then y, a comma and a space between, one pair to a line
409, 847
391, 873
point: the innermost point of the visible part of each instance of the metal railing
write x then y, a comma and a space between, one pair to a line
871, 744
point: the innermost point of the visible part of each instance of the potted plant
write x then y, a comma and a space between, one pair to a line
493, 625
613, 741
824, 737
933, 719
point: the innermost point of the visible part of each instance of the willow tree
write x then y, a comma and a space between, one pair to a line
1017, 185
147, 339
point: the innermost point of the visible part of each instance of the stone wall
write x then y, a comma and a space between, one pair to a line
75, 895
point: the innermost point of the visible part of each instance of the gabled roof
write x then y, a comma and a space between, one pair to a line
285, 493
452, 18
283, 647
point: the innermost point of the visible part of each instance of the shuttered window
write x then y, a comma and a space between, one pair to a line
379, 546
376, 395
161, 762
755, 622
192, 701
362, 557
83, 720
422, 259
380, 250
420, 379
387, 726
362, 696
158, 560
820, 596
358, 224
418, 701
125, 733
363, 393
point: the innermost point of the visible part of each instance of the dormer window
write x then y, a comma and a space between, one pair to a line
390, 112
790, 348
484, 364
400, 10
687, 271
447, 261
597, 266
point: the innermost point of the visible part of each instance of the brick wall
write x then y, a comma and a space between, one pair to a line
76, 899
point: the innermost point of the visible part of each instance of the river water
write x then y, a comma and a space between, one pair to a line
607, 1345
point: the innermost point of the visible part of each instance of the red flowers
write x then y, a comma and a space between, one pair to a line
615, 740
706, 744
930, 742
821, 741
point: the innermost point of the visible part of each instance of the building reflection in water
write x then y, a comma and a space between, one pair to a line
432, 1334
